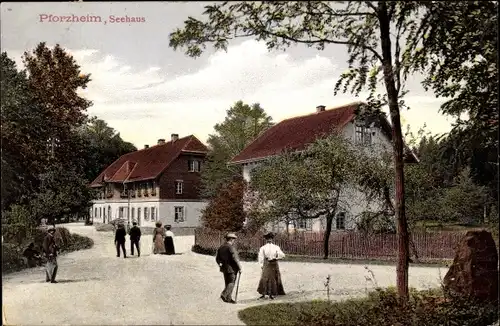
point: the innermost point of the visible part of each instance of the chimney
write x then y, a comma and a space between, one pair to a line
161, 141
146, 146
174, 137
320, 108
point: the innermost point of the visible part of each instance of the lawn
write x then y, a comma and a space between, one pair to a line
379, 308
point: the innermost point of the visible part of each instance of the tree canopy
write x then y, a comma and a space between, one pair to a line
242, 124
50, 149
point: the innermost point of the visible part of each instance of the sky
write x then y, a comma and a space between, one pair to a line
146, 91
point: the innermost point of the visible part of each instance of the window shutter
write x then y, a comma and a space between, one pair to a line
189, 165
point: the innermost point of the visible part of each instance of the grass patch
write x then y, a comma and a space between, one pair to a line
379, 308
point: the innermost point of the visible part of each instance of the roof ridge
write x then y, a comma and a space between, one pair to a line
327, 110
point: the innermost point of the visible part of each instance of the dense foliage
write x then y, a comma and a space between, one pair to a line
16, 239
242, 124
51, 150
225, 211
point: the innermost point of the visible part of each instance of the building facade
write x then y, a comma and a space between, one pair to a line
298, 132
157, 183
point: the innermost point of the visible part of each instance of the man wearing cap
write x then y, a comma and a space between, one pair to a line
50, 250
270, 281
229, 264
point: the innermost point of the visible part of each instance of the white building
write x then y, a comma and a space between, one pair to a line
157, 183
298, 132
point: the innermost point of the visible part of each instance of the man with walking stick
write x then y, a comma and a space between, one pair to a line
229, 264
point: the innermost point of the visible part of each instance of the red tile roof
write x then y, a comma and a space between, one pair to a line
296, 133
148, 163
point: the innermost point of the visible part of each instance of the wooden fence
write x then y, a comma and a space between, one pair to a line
430, 246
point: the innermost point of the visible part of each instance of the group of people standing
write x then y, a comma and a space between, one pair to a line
270, 283
163, 240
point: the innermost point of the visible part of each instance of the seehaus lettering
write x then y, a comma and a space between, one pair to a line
126, 19
49, 18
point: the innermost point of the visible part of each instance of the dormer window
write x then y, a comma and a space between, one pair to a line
194, 165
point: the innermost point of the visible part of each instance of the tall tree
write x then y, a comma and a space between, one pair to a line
316, 182
54, 79
243, 123
373, 33
24, 133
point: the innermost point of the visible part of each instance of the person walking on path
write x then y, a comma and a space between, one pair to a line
229, 264
50, 249
120, 236
135, 238
158, 235
169, 241
270, 281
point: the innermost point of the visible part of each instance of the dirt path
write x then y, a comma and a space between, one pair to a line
97, 288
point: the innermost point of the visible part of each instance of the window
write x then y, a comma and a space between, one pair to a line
179, 214
109, 212
132, 213
95, 212
363, 135
120, 212
139, 213
194, 165
146, 214
153, 214
178, 187
304, 223
340, 221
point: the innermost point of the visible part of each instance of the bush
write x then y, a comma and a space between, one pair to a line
379, 308
12, 252
105, 228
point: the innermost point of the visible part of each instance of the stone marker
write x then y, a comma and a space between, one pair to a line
474, 271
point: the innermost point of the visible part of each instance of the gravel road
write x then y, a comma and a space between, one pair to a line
97, 288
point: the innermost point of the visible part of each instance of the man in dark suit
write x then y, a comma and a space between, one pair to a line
135, 237
50, 249
229, 264
120, 235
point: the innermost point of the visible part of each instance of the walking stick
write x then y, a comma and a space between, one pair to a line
237, 287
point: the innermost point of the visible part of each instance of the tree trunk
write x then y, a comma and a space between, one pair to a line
328, 231
397, 139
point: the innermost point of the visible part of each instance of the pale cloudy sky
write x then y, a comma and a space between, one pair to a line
146, 91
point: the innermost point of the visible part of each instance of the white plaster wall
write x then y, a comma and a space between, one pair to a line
192, 213
114, 206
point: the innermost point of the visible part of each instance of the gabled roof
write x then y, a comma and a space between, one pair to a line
148, 163
298, 132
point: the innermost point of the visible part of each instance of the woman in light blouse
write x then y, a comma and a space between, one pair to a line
270, 281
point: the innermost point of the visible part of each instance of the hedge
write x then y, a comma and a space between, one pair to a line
14, 246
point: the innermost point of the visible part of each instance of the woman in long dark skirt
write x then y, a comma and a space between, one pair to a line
169, 241
270, 281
